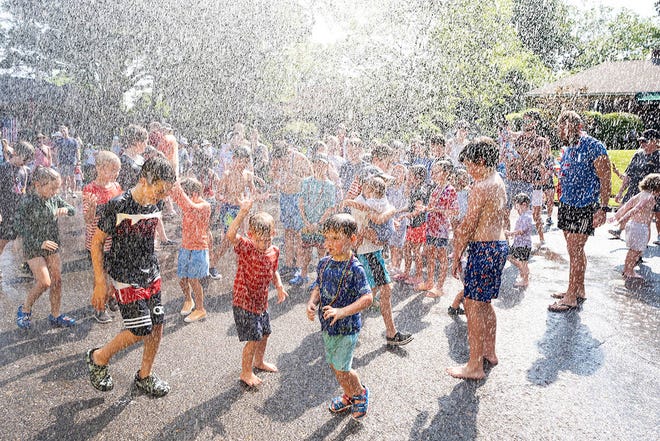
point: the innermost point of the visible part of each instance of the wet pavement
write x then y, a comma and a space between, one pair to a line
591, 375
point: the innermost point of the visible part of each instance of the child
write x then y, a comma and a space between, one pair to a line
193, 263
317, 201
461, 181
339, 293
416, 232
256, 268
36, 223
522, 238
95, 195
370, 250
442, 206
13, 183
483, 230
636, 215
131, 220
78, 177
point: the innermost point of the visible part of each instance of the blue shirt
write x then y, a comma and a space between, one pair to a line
317, 196
341, 283
579, 182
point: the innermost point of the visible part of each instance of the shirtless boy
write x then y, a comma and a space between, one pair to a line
289, 168
482, 232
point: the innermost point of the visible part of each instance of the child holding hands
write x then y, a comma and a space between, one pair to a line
339, 293
521, 247
256, 268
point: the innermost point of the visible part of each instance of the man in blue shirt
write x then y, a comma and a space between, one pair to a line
584, 178
68, 156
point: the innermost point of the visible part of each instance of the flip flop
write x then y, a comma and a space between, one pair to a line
560, 296
562, 307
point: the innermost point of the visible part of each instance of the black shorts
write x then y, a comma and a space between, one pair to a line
140, 316
7, 230
579, 220
251, 326
520, 253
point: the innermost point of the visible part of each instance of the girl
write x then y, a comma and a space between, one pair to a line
36, 222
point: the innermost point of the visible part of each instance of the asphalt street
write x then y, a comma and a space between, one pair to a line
587, 375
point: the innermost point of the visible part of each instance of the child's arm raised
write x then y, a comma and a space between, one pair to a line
232, 231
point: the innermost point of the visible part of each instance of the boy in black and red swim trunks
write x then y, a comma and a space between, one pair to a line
131, 220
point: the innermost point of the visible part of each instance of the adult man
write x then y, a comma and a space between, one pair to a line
584, 177
525, 167
68, 156
645, 161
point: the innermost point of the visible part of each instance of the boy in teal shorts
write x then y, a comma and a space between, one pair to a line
340, 292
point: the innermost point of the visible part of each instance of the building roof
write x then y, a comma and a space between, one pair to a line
626, 78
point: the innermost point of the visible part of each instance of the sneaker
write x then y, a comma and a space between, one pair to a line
299, 280
455, 311
168, 243
23, 318
102, 316
112, 304
548, 221
151, 385
214, 274
615, 233
98, 375
657, 241
25, 269
399, 339
61, 321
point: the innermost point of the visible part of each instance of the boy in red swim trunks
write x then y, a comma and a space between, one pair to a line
482, 232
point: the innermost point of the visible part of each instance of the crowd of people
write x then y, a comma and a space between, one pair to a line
359, 215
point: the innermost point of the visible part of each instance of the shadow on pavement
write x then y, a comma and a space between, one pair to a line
189, 424
567, 345
456, 333
323, 432
456, 419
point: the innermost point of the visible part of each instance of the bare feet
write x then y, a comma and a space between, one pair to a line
521, 283
491, 360
197, 314
251, 379
435, 292
425, 286
633, 275
467, 374
265, 366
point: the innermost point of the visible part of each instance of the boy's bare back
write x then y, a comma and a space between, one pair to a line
486, 207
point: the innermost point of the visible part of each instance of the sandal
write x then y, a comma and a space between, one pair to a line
360, 405
560, 296
562, 307
61, 321
340, 404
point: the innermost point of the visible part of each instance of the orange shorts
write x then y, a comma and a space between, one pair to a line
416, 235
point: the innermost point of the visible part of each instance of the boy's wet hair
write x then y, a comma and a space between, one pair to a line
650, 183
522, 198
342, 223
157, 169
191, 186
280, 150
106, 157
482, 150
44, 175
134, 134
418, 171
378, 185
24, 150
571, 116
242, 152
437, 139
445, 165
262, 223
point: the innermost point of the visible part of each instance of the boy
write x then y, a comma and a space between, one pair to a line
317, 201
370, 250
236, 180
95, 195
339, 293
13, 183
483, 230
636, 215
193, 262
521, 247
256, 268
131, 220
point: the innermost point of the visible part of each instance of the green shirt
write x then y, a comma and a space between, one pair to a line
36, 222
